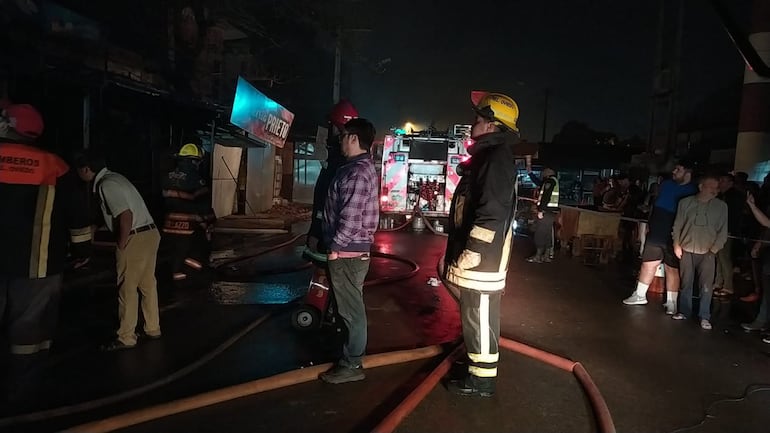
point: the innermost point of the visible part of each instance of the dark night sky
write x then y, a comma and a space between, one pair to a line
597, 57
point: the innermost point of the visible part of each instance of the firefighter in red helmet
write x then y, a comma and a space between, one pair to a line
43, 217
339, 115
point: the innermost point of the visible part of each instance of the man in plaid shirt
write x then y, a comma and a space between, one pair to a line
351, 216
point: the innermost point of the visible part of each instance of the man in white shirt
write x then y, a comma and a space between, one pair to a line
126, 215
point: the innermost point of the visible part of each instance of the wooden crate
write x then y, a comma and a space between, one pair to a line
596, 250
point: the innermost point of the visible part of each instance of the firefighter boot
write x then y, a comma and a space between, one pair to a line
473, 386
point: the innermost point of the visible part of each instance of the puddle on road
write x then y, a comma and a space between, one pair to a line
432, 311
238, 293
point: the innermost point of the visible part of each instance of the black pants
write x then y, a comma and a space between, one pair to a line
704, 265
29, 314
480, 314
544, 231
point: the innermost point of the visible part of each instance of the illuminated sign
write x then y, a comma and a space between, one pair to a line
260, 116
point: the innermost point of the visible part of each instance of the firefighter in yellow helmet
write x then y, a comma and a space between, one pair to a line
480, 232
189, 217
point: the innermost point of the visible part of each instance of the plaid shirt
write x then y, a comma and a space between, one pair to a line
351, 214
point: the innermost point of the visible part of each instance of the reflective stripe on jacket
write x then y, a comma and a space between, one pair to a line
548, 197
43, 212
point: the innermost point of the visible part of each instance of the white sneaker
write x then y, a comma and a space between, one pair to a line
635, 299
754, 326
670, 308
705, 324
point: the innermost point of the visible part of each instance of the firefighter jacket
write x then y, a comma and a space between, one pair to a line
481, 217
548, 199
187, 200
43, 213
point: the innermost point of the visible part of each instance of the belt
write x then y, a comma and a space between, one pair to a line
142, 229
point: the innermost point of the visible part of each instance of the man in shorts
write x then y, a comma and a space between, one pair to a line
659, 245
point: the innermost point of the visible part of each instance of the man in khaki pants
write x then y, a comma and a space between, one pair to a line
126, 215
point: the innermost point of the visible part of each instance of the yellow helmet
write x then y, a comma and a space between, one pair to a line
496, 106
190, 150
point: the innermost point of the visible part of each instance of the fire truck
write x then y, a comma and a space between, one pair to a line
418, 171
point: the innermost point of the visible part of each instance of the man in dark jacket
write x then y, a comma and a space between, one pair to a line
341, 113
735, 206
481, 235
42, 215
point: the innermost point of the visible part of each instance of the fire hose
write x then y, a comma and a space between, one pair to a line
116, 398
601, 411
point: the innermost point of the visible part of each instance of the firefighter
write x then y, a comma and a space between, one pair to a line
189, 218
547, 205
481, 235
42, 216
340, 114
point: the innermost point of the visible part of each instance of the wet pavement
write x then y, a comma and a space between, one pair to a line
656, 374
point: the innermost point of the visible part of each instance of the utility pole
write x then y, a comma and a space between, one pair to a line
545, 114
676, 94
337, 65
666, 80
656, 76
338, 59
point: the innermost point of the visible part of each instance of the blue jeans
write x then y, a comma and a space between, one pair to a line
704, 265
764, 305
347, 278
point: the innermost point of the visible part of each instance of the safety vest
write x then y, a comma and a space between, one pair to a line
554, 201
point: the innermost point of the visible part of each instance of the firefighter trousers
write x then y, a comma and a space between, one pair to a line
190, 253
480, 315
30, 309
136, 273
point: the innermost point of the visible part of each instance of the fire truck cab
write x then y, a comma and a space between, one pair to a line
418, 170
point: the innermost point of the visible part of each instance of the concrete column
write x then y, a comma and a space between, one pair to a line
752, 153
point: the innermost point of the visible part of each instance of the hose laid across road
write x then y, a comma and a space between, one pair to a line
245, 389
116, 398
599, 406
601, 411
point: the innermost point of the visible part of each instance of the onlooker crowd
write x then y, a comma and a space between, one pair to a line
711, 233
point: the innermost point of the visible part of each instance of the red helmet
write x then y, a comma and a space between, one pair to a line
342, 112
24, 119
